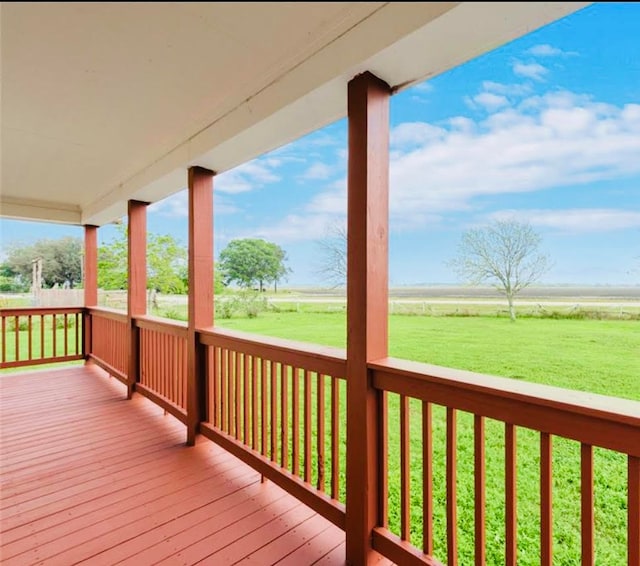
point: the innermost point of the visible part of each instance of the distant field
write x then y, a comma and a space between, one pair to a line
631, 292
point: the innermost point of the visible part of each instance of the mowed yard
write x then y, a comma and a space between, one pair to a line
598, 356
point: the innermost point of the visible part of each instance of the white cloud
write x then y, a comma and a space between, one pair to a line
575, 219
546, 50
318, 171
533, 71
544, 143
294, 227
248, 176
490, 101
519, 89
415, 133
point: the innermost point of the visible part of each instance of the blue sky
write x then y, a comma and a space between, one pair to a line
545, 129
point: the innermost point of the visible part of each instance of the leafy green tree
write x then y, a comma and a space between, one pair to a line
166, 263
112, 262
506, 254
249, 262
61, 261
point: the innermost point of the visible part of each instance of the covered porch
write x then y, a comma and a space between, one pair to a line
287, 444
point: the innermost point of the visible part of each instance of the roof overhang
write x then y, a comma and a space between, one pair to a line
106, 102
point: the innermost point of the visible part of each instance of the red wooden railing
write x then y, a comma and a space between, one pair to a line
110, 341
163, 364
280, 407
32, 336
277, 405
590, 420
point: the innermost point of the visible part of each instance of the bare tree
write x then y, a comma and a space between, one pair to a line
333, 256
506, 254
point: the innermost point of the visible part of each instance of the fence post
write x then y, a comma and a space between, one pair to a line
367, 307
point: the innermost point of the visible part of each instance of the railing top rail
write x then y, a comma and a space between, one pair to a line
107, 312
26, 311
589, 418
324, 359
164, 325
579, 402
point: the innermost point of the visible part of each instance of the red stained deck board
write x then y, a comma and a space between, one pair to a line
88, 477
288, 542
307, 551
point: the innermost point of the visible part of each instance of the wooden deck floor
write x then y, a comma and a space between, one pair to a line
88, 476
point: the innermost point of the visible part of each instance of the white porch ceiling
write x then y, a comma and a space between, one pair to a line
105, 102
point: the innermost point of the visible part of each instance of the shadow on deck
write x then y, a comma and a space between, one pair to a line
90, 477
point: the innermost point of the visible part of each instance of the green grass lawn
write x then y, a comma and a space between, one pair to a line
589, 355
599, 356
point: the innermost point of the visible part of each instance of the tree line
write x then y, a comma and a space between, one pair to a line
505, 254
249, 263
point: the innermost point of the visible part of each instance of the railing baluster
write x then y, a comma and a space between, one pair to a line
284, 420
175, 382
42, 323
254, 402
274, 411
4, 339
228, 404
452, 504
29, 340
155, 362
169, 341
17, 336
224, 409
405, 470
214, 380
166, 387
511, 540
480, 484
151, 360
263, 398
238, 395
307, 426
233, 373
427, 479
77, 336
295, 416
383, 460
320, 436
154, 378
173, 366
586, 492
546, 500
245, 371
633, 505
335, 438
55, 335
162, 364
66, 334
183, 380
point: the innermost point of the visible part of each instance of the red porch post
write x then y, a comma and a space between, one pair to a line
90, 282
367, 295
200, 292
137, 283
